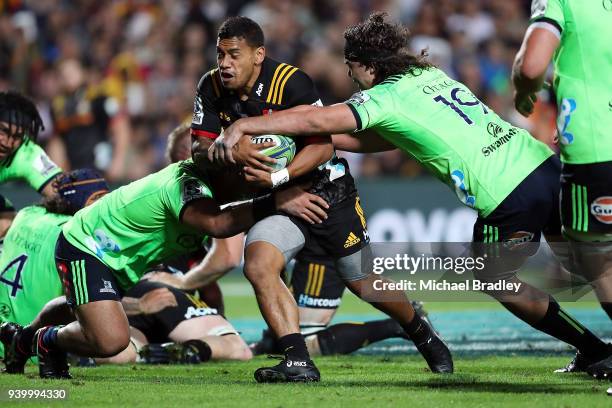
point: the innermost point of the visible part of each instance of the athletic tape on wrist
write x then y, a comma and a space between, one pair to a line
279, 177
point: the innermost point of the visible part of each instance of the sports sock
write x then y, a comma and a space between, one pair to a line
294, 346
203, 348
49, 337
24, 344
557, 323
344, 338
418, 329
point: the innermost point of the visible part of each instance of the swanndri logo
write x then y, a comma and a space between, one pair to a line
291, 363
461, 190
568, 106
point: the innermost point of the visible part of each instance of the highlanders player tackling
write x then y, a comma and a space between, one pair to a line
500, 170
573, 33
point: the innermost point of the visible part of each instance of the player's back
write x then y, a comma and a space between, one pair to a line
27, 264
453, 134
583, 79
139, 224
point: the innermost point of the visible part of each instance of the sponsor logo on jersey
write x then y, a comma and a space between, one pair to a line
44, 165
461, 190
518, 239
100, 243
351, 240
108, 287
193, 189
198, 112
200, 311
601, 208
499, 141
307, 301
568, 106
259, 89
359, 98
494, 129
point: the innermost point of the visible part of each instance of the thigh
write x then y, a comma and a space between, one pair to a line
586, 201
85, 278
280, 232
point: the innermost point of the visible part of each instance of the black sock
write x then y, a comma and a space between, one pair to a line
344, 338
203, 348
557, 323
294, 346
25, 340
49, 337
418, 329
607, 307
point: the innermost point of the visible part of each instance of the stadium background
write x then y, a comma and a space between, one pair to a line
147, 56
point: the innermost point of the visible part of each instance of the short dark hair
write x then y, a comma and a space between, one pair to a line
17, 109
383, 46
242, 27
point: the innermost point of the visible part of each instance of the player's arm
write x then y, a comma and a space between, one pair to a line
367, 141
206, 216
542, 38
295, 122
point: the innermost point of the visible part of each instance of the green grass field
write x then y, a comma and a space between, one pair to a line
484, 378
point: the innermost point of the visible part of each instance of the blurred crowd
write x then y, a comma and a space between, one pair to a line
113, 78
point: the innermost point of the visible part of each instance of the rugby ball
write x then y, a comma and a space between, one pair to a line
283, 151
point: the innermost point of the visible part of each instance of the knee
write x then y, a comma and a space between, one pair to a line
238, 349
258, 269
110, 343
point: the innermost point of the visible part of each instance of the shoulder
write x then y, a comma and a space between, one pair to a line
210, 84
291, 86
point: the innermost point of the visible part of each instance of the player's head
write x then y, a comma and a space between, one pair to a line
179, 143
75, 190
375, 49
240, 52
19, 120
71, 74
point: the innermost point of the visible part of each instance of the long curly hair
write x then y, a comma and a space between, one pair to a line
382, 46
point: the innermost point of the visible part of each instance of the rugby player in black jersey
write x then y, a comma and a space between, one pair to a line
247, 83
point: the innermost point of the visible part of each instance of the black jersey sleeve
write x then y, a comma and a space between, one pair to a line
205, 121
300, 90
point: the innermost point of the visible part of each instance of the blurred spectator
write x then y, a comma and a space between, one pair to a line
84, 114
143, 59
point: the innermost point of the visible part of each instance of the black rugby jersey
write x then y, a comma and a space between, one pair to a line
279, 86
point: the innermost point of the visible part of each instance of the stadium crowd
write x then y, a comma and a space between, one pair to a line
113, 78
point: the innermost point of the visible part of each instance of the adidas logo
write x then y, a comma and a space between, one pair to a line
351, 240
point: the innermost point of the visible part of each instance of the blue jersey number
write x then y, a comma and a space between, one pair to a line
15, 284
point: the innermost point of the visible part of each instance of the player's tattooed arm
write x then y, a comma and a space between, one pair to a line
365, 141
530, 66
150, 303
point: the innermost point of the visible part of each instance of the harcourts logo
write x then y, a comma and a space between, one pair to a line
461, 190
568, 106
307, 301
601, 209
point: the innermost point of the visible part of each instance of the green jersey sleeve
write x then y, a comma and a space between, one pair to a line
32, 165
185, 190
367, 109
548, 11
